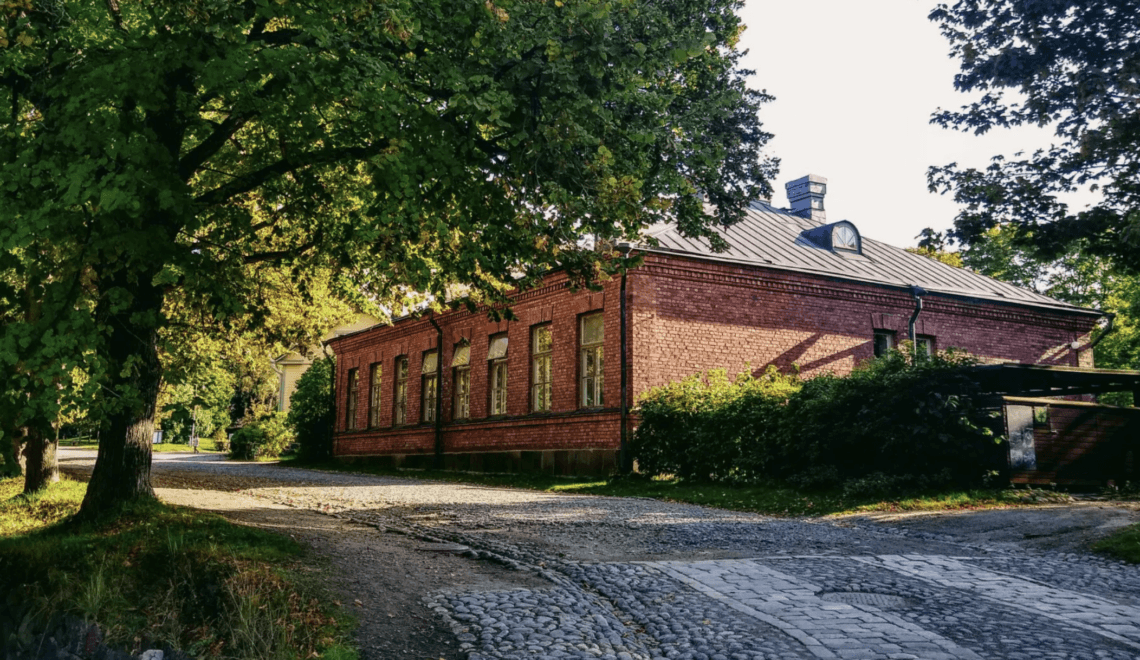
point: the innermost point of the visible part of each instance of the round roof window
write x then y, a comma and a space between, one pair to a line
845, 238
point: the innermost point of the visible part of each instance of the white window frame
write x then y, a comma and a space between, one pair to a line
591, 384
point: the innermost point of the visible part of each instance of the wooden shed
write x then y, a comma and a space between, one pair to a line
1071, 443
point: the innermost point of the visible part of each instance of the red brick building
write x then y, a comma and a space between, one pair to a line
546, 391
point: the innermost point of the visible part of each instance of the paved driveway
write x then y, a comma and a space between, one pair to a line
630, 578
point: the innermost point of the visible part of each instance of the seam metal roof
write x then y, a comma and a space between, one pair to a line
772, 238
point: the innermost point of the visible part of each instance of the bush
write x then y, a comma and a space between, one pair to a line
265, 437
311, 411
697, 428
892, 415
893, 423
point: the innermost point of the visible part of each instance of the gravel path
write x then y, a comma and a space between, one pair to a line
503, 573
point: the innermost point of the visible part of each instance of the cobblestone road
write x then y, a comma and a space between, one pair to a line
698, 584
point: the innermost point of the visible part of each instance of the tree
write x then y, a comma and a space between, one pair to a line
1067, 64
1074, 277
311, 410
169, 148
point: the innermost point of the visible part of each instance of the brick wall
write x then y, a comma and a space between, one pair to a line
565, 426
692, 315
685, 316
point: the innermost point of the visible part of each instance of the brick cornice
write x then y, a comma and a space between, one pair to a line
410, 326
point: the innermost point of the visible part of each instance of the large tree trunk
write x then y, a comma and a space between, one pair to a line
42, 468
122, 469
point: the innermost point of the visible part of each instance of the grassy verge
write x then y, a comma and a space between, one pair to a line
154, 575
771, 499
1124, 544
206, 445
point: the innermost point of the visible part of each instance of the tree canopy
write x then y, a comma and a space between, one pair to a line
1072, 65
166, 163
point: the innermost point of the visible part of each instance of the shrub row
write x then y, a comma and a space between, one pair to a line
893, 423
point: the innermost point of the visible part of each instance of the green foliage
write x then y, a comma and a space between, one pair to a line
892, 415
378, 155
311, 411
167, 575
698, 427
266, 436
200, 402
1122, 544
949, 258
1075, 277
1068, 64
910, 422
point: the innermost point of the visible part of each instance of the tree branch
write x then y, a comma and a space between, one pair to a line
210, 146
281, 254
116, 15
250, 181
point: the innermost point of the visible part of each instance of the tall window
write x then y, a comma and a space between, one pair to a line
925, 345
430, 380
497, 357
541, 345
461, 380
591, 338
350, 404
884, 342
400, 414
374, 395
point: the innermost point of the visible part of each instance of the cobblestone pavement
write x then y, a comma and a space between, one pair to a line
639, 579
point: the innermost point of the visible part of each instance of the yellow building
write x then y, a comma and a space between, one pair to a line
290, 366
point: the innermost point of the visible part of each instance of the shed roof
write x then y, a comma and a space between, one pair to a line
776, 238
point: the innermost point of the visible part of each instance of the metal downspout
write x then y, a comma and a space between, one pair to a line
918, 292
625, 462
438, 393
1104, 333
332, 401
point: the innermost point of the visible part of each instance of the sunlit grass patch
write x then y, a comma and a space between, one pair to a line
20, 514
157, 574
1123, 544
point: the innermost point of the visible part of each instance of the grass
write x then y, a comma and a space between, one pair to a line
206, 445
154, 575
770, 499
1123, 544
20, 515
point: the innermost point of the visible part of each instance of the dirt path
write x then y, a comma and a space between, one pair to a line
381, 578
555, 576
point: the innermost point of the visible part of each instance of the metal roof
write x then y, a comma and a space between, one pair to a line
776, 238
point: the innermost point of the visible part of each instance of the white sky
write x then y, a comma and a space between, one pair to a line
855, 85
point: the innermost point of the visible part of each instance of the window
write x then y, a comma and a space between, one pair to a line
925, 345
400, 413
591, 338
429, 381
350, 404
374, 395
884, 342
541, 346
461, 378
845, 238
497, 356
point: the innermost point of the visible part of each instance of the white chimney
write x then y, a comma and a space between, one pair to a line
806, 197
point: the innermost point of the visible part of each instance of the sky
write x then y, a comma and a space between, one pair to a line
855, 86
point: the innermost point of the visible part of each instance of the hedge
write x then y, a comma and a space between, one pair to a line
892, 420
